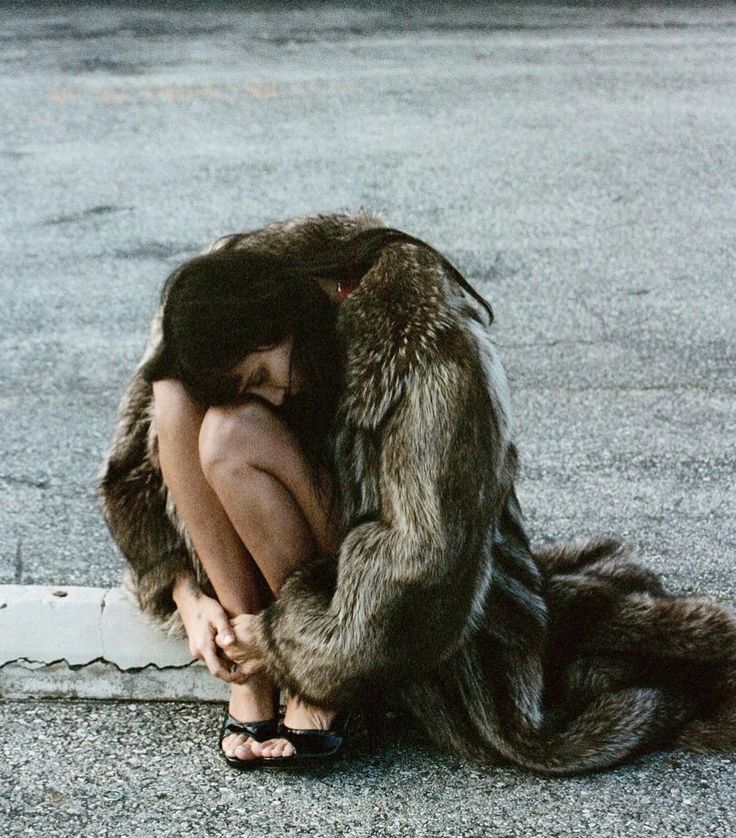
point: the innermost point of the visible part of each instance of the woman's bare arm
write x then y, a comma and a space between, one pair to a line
225, 559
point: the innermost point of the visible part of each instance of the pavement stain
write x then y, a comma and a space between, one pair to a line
84, 215
34, 483
136, 28
156, 250
18, 565
103, 65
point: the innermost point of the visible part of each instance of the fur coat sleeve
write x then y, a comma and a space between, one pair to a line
425, 460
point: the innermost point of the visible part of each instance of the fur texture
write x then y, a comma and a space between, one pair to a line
566, 659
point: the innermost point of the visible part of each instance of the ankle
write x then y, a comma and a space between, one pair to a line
301, 713
256, 684
253, 701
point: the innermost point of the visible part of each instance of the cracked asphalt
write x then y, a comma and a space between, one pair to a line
577, 165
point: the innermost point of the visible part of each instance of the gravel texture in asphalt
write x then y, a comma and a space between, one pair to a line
92, 769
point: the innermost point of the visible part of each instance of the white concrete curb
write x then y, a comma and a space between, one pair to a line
80, 642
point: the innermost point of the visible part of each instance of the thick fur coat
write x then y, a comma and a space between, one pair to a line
561, 660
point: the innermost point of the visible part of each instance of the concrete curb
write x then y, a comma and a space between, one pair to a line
77, 642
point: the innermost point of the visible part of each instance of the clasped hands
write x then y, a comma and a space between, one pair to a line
242, 646
228, 647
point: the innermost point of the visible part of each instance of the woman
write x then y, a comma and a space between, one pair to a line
239, 386
242, 337
564, 660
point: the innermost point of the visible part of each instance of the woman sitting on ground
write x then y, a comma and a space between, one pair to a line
245, 375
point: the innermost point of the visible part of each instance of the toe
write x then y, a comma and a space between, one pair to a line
277, 748
244, 750
229, 743
270, 748
281, 748
264, 749
256, 748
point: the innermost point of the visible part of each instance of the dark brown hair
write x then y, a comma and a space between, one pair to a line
221, 306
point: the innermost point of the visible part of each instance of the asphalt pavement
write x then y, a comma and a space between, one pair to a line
577, 165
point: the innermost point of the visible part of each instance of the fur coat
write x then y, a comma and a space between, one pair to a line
561, 660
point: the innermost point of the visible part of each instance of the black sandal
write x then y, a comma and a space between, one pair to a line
310, 744
260, 731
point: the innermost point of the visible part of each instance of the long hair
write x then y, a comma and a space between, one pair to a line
221, 306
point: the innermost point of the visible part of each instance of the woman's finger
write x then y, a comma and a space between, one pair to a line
235, 653
224, 640
243, 620
215, 665
251, 666
224, 632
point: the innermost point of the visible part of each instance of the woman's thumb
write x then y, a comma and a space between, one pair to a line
224, 636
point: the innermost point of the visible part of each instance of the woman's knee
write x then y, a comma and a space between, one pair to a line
175, 413
235, 437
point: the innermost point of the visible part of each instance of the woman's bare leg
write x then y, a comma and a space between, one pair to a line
254, 464
238, 583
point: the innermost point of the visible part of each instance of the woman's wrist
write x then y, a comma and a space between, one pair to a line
185, 591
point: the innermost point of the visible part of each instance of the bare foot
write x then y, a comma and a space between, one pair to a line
299, 715
253, 701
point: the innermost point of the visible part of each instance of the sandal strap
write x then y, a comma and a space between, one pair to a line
313, 742
260, 731
338, 728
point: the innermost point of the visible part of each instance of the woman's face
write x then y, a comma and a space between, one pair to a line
265, 373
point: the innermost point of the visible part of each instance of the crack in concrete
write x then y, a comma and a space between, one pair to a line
18, 570
591, 309
100, 616
26, 663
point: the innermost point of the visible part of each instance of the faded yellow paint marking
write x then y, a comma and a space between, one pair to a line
262, 91
114, 97
218, 92
62, 95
